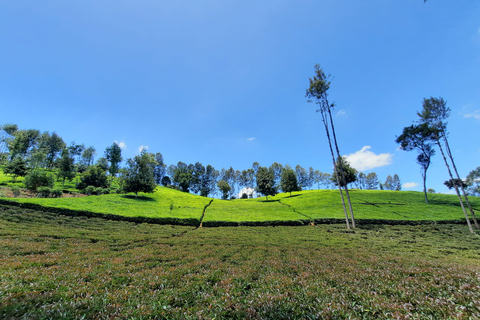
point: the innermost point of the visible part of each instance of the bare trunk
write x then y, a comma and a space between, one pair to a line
449, 153
335, 169
424, 176
455, 186
341, 168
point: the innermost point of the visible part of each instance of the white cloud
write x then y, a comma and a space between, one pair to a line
251, 139
365, 160
121, 144
142, 147
341, 112
475, 114
409, 185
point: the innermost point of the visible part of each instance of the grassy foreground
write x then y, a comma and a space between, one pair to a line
60, 267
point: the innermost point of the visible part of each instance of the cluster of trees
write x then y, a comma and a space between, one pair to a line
28, 151
430, 132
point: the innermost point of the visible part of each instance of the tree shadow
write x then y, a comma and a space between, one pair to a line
139, 198
293, 196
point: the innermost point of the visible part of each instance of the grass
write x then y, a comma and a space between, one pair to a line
306, 205
60, 267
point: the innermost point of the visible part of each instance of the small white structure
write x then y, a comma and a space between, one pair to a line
250, 192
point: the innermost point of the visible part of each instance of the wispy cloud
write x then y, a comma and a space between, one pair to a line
409, 185
341, 112
121, 144
366, 160
142, 147
251, 139
475, 114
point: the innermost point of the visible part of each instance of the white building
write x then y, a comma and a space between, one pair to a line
250, 192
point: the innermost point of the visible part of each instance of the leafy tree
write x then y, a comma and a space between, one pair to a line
350, 174
16, 168
302, 176
419, 137
224, 188
66, 166
208, 181
140, 174
94, 176
388, 185
372, 181
22, 142
277, 170
166, 181
160, 168
317, 93
6, 132
182, 176
52, 145
435, 114
473, 182
288, 182
198, 173
102, 163
397, 185
113, 154
88, 156
38, 178
430, 190
361, 182
76, 150
230, 176
455, 182
266, 182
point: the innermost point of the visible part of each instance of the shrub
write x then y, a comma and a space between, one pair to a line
105, 191
39, 178
244, 196
15, 191
44, 192
93, 176
57, 193
98, 191
88, 190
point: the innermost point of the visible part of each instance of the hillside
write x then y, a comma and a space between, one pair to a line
303, 206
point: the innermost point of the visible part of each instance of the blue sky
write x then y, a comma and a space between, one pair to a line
223, 82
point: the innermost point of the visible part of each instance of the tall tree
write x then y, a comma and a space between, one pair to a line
288, 182
277, 170
6, 132
182, 176
139, 175
371, 181
435, 113
350, 174
388, 185
361, 182
266, 182
66, 166
473, 182
419, 137
16, 168
397, 185
160, 168
22, 142
88, 156
113, 154
224, 188
302, 176
52, 145
317, 93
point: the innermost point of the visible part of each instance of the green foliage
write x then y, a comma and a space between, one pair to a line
44, 192
288, 182
473, 182
140, 174
266, 182
66, 167
455, 182
349, 172
16, 168
56, 193
224, 188
183, 176
51, 145
143, 270
94, 176
113, 154
22, 142
39, 178
15, 190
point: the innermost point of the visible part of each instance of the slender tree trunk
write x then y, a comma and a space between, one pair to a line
424, 176
449, 153
341, 166
335, 168
455, 186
